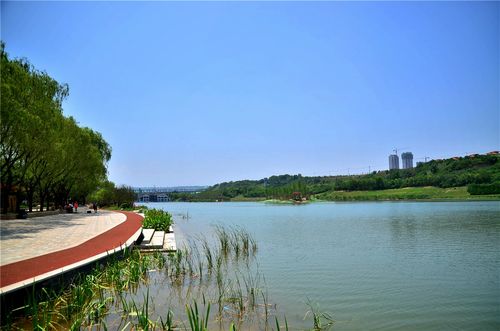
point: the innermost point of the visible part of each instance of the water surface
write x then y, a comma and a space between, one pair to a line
372, 265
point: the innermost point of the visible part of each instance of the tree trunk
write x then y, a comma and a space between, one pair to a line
29, 194
5, 199
42, 200
6, 192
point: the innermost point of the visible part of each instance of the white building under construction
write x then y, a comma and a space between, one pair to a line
393, 161
407, 159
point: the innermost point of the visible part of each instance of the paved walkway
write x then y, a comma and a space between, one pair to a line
37, 246
27, 238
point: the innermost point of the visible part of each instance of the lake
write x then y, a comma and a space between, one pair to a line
370, 265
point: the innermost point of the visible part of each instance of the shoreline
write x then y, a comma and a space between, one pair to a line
286, 202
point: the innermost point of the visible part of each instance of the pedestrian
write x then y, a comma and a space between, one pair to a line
76, 206
94, 205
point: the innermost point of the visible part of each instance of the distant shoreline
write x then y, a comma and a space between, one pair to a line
288, 202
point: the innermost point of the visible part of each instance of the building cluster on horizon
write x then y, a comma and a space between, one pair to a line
406, 157
162, 194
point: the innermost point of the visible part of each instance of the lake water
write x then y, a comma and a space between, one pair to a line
371, 265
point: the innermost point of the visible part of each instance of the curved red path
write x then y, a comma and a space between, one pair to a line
26, 269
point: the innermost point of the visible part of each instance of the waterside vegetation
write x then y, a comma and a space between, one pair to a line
209, 285
157, 219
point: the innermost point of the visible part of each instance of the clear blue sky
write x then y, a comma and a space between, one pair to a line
199, 93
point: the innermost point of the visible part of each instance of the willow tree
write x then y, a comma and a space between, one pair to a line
44, 153
30, 100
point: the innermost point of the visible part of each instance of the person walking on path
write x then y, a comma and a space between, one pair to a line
75, 205
94, 205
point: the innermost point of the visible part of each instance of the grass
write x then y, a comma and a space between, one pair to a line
407, 193
280, 202
116, 207
241, 198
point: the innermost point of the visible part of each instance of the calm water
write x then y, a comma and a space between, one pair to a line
377, 266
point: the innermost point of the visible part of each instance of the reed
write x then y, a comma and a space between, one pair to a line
168, 325
208, 254
197, 322
321, 320
110, 291
224, 239
278, 327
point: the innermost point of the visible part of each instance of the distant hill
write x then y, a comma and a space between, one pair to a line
476, 175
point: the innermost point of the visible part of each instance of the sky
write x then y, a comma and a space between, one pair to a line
197, 93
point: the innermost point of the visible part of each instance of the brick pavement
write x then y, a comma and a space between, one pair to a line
24, 272
27, 238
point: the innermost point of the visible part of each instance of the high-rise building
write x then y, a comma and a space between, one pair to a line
393, 161
407, 159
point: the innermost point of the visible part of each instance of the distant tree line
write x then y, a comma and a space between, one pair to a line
108, 194
480, 172
46, 157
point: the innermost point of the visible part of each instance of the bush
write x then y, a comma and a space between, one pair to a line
141, 208
157, 219
127, 205
479, 189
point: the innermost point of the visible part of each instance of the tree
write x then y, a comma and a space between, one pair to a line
44, 154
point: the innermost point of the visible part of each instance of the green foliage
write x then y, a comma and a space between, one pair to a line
107, 194
478, 189
127, 205
443, 174
197, 322
157, 219
141, 209
321, 320
44, 154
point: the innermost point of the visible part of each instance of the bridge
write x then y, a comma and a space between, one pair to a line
162, 194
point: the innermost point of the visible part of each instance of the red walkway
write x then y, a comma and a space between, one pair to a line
27, 269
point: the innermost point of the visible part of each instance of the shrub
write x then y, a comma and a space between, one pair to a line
141, 208
478, 189
157, 219
127, 205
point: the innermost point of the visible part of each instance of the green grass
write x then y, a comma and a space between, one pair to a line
279, 202
241, 198
407, 193
115, 207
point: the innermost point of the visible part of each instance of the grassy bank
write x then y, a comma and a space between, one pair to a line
407, 193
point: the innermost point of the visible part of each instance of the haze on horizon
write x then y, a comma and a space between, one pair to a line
201, 93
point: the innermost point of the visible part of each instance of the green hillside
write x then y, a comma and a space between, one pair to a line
471, 177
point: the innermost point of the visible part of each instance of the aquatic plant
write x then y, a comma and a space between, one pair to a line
168, 325
321, 320
197, 322
218, 273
